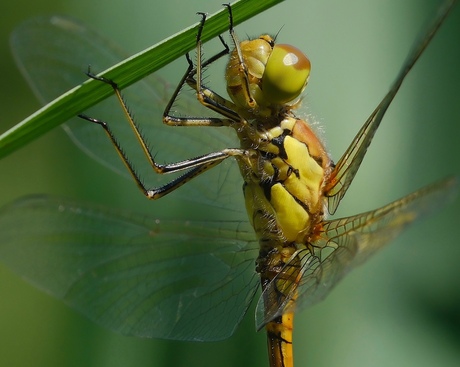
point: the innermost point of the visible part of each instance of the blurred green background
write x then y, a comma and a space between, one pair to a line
401, 309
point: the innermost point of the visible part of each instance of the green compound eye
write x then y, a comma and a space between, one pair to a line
286, 74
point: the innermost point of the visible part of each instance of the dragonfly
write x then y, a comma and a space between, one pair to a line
195, 280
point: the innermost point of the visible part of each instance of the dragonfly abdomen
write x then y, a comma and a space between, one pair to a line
279, 340
279, 292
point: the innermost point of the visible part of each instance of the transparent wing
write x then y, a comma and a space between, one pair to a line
346, 168
344, 244
132, 274
54, 53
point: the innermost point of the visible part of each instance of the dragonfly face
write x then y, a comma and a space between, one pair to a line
289, 183
274, 78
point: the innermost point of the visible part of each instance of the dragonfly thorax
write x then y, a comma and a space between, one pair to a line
264, 79
284, 179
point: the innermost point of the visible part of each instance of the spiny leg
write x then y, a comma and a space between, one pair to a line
205, 96
242, 65
196, 165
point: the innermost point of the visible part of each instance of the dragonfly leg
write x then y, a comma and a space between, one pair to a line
245, 90
207, 97
195, 166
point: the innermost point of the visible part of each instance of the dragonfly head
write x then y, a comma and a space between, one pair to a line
271, 78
